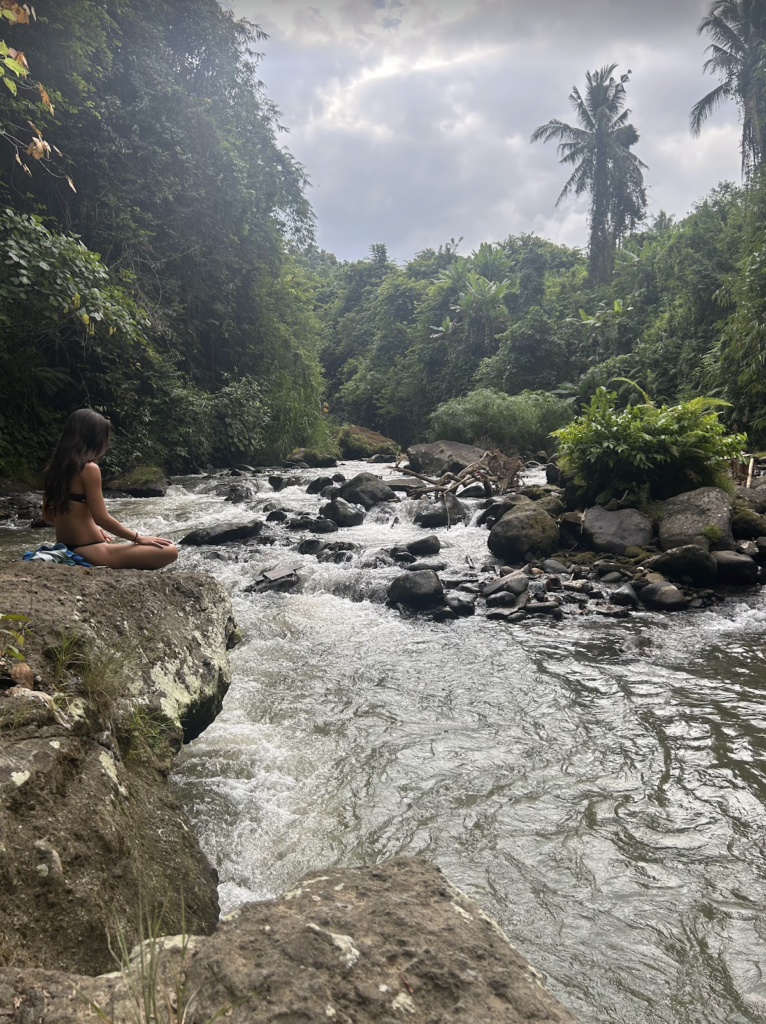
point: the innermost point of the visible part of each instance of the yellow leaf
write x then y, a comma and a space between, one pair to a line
18, 159
71, 183
44, 97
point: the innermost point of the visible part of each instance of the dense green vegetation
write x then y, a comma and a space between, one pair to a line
210, 327
195, 330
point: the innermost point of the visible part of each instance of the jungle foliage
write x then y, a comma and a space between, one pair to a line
194, 330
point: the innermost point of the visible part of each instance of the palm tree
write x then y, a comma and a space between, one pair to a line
481, 306
738, 56
604, 166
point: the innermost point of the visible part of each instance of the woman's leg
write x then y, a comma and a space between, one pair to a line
129, 556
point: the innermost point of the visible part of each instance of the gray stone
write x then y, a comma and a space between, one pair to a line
625, 597
524, 529
446, 510
463, 605
318, 485
701, 517
366, 490
746, 524
754, 496
425, 546
739, 570
422, 566
513, 583
342, 513
614, 532
663, 597
224, 533
473, 491
551, 565
443, 457
689, 562
416, 590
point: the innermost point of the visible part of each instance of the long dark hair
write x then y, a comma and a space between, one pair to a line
86, 435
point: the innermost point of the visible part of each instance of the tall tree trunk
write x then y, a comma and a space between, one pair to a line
600, 255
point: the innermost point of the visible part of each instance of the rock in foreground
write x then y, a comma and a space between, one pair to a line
373, 945
524, 529
366, 490
224, 533
88, 825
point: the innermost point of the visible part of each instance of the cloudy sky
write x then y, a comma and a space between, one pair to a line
413, 117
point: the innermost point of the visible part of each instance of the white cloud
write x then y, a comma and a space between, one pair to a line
413, 117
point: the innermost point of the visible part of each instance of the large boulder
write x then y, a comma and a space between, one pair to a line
689, 562
524, 530
424, 546
701, 517
379, 944
739, 570
342, 513
223, 533
615, 532
360, 443
755, 497
747, 524
443, 457
417, 589
141, 482
366, 490
136, 663
446, 510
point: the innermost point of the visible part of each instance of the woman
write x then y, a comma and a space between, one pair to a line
75, 505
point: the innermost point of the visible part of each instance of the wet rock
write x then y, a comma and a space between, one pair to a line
663, 597
318, 485
446, 510
463, 605
312, 459
366, 490
420, 566
330, 493
625, 597
552, 504
553, 584
504, 599
551, 565
689, 562
612, 577
277, 516
512, 583
552, 473
425, 546
377, 560
570, 527
310, 546
701, 517
342, 513
749, 548
747, 524
755, 497
416, 590
443, 457
241, 492
320, 526
495, 510
402, 554
141, 482
278, 483
522, 530
615, 531
472, 491
739, 570
545, 608
224, 533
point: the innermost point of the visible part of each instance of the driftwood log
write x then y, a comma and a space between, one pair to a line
496, 472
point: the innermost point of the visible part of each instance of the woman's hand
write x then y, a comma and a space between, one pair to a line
153, 542
105, 536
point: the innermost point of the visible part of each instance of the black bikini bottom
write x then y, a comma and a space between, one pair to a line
76, 547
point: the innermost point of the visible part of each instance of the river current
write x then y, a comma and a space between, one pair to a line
596, 785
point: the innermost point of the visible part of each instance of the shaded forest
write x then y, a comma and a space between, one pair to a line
158, 261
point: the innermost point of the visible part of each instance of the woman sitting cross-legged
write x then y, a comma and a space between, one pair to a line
74, 503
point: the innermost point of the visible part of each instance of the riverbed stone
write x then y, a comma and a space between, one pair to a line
663, 597
624, 597
689, 562
223, 533
446, 510
746, 524
424, 546
614, 532
441, 457
701, 517
463, 605
343, 513
738, 570
522, 530
366, 490
416, 590
319, 484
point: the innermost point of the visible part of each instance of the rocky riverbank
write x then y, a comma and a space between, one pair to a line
120, 669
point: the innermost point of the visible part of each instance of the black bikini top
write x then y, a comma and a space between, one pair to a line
77, 497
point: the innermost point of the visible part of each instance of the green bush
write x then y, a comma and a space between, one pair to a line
512, 423
646, 450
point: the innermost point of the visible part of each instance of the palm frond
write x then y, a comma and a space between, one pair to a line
701, 111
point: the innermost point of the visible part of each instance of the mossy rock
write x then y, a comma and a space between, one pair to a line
141, 482
584, 558
359, 443
314, 459
747, 524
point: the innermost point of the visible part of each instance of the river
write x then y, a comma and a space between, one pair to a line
596, 785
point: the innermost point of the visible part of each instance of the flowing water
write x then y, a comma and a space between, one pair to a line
596, 785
